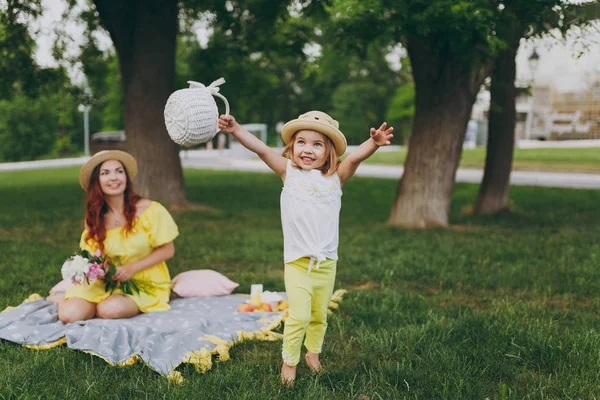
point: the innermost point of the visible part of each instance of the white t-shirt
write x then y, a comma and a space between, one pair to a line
310, 215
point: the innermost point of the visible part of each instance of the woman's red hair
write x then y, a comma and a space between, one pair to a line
96, 207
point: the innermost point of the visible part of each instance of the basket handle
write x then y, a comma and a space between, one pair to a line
219, 95
213, 89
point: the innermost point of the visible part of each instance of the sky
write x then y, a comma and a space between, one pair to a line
561, 63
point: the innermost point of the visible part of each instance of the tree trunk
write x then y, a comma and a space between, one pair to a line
144, 34
493, 192
444, 97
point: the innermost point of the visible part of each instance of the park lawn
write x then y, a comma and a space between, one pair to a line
503, 307
548, 159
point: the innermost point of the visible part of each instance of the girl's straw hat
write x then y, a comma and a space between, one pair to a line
316, 121
85, 173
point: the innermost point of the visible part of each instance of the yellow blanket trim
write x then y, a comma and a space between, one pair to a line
31, 298
132, 360
202, 359
59, 342
337, 296
222, 347
175, 377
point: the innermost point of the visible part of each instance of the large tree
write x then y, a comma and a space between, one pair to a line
518, 20
450, 44
144, 35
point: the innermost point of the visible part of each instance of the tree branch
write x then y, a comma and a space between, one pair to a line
118, 18
585, 13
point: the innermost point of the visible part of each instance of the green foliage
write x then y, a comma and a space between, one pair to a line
361, 100
457, 31
264, 68
112, 109
18, 69
401, 110
259, 49
62, 146
355, 105
28, 126
271, 77
47, 124
187, 46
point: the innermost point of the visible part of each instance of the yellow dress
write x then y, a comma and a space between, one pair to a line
153, 228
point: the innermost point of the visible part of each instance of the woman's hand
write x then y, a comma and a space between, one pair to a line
382, 136
124, 273
228, 124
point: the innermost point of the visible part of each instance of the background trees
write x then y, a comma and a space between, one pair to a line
453, 47
517, 20
282, 58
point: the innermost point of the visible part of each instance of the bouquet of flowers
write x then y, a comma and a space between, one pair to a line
81, 267
88, 267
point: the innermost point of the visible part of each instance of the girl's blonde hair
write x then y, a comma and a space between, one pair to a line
332, 160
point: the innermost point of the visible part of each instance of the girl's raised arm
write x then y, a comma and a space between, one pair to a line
274, 160
379, 137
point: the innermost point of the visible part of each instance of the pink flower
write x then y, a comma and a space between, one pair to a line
95, 272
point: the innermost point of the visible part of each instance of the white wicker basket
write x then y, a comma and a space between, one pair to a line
191, 115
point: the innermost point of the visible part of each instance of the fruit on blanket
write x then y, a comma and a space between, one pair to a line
246, 308
264, 307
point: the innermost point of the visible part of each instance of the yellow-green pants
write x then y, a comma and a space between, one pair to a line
308, 298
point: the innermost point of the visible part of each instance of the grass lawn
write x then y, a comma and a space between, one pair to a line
502, 307
567, 159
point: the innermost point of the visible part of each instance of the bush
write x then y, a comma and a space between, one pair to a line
28, 127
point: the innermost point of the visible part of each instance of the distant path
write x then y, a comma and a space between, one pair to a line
240, 161
520, 178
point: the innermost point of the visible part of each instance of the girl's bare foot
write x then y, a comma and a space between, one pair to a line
312, 360
288, 374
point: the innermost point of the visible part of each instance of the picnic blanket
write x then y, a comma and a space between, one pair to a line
192, 332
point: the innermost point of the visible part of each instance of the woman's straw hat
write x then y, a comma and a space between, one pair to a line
85, 173
316, 121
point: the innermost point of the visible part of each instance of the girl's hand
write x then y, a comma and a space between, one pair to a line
227, 123
124, 273
382, 136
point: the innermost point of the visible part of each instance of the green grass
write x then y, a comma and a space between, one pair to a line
548, 159
503, 307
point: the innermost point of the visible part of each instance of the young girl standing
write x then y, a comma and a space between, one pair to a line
312, 177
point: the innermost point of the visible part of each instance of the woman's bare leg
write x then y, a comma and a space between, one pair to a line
117, 306
75, 309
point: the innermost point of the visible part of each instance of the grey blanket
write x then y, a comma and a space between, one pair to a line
192, 331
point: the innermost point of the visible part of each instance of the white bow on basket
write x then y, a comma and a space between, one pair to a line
191, 114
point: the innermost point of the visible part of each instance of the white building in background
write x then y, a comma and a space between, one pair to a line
545, 111
533, 108
544, 115
568, 123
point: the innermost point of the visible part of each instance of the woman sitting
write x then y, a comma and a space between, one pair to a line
135, 233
